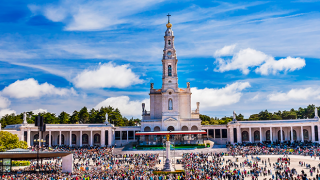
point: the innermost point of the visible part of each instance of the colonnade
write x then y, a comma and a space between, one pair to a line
239, 134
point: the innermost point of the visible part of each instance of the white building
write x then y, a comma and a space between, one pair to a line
170, 110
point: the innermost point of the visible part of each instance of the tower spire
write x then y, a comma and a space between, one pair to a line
168, 17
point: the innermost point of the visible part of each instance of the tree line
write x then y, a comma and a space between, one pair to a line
301, 113
77, 117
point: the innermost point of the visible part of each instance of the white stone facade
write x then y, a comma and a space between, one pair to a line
170, 106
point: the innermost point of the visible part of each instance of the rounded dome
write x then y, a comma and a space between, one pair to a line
169, 25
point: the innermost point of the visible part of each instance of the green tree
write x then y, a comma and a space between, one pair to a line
64, 118
10, 141
84, 115
75, 117
93, 116
240, 117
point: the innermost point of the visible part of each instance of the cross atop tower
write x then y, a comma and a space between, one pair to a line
168, 17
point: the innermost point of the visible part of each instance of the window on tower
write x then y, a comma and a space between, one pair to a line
169, 42
170, 105
169, 70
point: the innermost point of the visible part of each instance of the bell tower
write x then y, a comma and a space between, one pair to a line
169, 61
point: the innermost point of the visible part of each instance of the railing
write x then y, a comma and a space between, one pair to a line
195, 112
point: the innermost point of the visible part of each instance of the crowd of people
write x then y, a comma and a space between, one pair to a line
239, 162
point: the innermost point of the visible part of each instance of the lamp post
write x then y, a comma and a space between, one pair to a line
39, 121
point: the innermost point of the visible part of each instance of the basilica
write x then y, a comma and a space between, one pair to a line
170, 113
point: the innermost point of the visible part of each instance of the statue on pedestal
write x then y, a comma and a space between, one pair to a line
168, 166
234, 116
25, 118
106, 121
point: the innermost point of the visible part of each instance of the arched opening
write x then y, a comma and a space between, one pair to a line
245, 136
294, 135
170, 128
268, 135
279, 136
74, 139
169, 42
170, 104
96, 139
147, 129
47, 139
184, 128
256, 136
85, 139
62, 139
194, 128
305, 134
169, 70
157, 128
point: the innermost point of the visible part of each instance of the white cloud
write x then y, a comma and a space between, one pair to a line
210, 97
107, 75
225, 51
93, 15
127, 108
4, 102
4, 112
286, 64
37, 111
296, 94
251, 58
31, 88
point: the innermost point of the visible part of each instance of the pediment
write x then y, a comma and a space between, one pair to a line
171, 119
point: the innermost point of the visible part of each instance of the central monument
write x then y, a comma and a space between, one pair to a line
168, 165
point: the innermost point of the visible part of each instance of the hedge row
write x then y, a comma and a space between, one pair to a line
20, 163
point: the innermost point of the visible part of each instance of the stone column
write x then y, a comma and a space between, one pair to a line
260, 135
110, 136
312, 131
250, 139
70, 139
291, 134
49, 138
28, 137
127, 136
59, 138
231, 136
302, 140
91, 139
238, 134
281, 134
103, 138
168, 165
80, 138
271, 135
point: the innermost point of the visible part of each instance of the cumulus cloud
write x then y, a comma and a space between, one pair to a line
286, 64
106, 76
4, 112
296, 94
251, 58
209, 97
37, 111
4, 102
30, 88
125, 105
225, 51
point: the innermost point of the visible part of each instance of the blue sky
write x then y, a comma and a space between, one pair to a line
245, 56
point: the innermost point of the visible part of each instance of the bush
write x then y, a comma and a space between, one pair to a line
20, 163
167, 173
